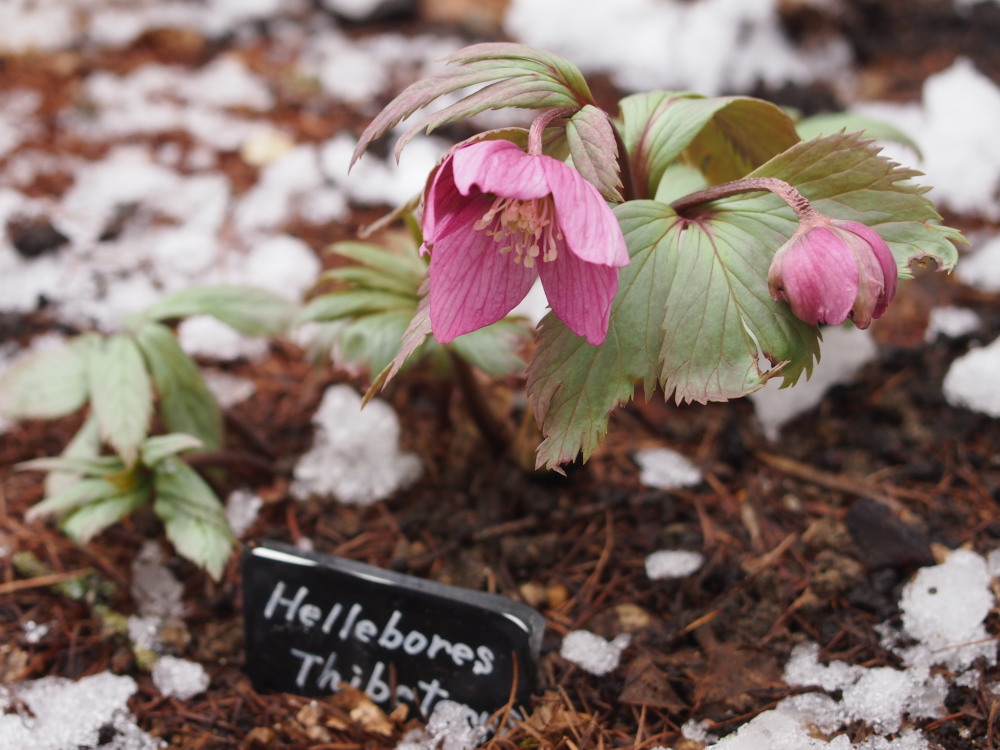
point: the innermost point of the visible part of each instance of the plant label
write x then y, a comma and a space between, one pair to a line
314, 622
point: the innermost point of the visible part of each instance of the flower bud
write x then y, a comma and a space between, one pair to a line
831, 270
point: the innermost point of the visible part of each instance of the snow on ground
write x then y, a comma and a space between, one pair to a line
971, 380
845, 350
953, 125
179, 678
592, 653
666, 469
448, 728
53, 713
670, 563
944, 607
710, 47
355, 455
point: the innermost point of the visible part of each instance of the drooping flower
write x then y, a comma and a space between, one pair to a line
495, 219
831, 270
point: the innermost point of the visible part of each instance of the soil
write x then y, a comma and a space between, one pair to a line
809, 537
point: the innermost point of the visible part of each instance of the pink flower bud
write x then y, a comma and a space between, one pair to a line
831, 270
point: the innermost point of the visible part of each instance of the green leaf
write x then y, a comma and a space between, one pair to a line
401, 263
103, 466
372, 341
573, 386
495, 349
352, 303
186, 404
834, 122
417, 332
844, 177
46, 384
157, 448
84, 523
86, 443
73, 496
192, 515
594, 151
723, 137
250, 310
121, 395
516, 76
742, 134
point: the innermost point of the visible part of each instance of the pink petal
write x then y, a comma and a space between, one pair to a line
501, 168
580, 294
588, 224
819, 276
886, 261
471, 284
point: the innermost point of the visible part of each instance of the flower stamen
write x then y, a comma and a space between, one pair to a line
525, 227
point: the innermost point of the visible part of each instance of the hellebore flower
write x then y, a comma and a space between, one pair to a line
831, 270
495, 219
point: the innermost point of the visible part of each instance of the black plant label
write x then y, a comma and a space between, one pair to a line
316, 622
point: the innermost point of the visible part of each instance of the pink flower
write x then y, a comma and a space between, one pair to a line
831, 270
497, 218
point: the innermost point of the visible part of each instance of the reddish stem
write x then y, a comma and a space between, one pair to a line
798, 203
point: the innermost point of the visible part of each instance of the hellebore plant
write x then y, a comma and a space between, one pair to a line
689, 243
496, 219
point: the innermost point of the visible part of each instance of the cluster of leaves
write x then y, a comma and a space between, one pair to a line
127, 379
693, 314
376, 296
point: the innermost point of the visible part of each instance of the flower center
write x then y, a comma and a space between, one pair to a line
526, 228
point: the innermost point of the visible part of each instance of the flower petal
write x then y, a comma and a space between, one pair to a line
885, 258
580, 294
589, 226
499, 167
471, 284
818, 276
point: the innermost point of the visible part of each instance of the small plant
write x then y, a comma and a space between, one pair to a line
657, 232
365, 317
125, 379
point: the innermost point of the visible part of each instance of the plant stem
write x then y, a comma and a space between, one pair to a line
782, 189
493, 430
630, 191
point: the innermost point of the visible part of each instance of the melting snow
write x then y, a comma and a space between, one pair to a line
242, 509
981, 268
67, 714
952, 128
668, 563
666, 469
451, 726
179, 678
712, 46
845, 351
228, 389
971, 380
355, 455
951, 322
592, 653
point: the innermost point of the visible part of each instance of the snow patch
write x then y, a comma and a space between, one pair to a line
970, 382
451, 726
355, 455
668, 563
711, 47
67, 714
242, 509
666, 469
981, 268
953, 128
179, 678
951, 322
845, 351
592, 653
